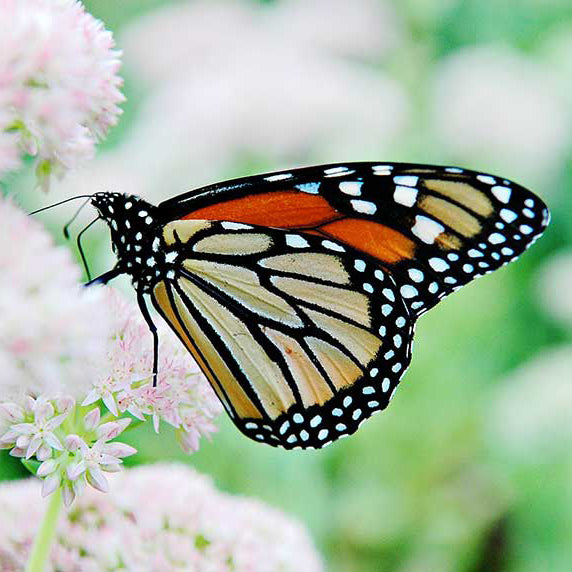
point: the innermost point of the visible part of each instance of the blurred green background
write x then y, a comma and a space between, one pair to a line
470, 468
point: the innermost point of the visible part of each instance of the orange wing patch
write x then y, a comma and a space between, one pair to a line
378, 240
283, 209
312, 214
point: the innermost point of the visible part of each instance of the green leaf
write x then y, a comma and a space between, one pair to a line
31, 464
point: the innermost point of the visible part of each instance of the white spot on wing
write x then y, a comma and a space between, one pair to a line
409, 291
310, 188
438, 264
366, 207
501, 193
333, 246
170, 256
278, 177
235, 226
427, 229
496, 238
296, 241
406, 180
382, 169
508, 215
415, 275
335, 170
487, 179
351, 188
405, 196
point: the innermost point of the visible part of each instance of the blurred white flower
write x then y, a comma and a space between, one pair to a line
502, 108
239, 82
59, 86
530, 414
162, 517
554, 287
364, 28
51, 328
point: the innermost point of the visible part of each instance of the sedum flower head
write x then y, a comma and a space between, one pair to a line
161, 517
49, 431
58, 83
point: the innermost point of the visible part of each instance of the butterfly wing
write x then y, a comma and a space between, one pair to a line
300, 337
434, 228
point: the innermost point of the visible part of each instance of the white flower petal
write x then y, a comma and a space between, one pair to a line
53, 441
46, 468
50, 484
74, 470
111, 404
91, 419
44, 452
119, 450
34, 445
68, 494
97, 480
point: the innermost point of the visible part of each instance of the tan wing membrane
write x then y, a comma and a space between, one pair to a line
264, 375
311, 384
453, 216
358, 341
350, 304
219, 375
233, 243
462, 193
342, 371
244, 286
183, 230
311, 264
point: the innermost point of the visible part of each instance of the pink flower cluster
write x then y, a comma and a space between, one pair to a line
59, 88
157, 518
65, 349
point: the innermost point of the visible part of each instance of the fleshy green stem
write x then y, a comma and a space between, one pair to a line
46, 534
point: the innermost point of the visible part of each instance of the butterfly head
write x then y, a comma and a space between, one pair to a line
133, 225
124, 213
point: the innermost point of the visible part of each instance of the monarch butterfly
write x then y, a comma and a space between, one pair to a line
297, 291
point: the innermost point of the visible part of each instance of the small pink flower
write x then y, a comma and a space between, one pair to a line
59, 88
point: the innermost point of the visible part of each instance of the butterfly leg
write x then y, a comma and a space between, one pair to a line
153, 328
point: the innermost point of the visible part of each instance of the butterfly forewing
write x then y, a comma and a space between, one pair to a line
433, 228
301, 338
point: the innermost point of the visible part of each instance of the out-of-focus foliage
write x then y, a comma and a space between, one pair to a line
470, 468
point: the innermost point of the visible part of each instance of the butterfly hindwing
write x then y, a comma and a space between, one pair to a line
434, 228
301, 337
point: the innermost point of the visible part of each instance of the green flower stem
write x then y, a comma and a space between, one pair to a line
46, 534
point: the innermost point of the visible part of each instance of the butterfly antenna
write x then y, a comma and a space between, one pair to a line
79, 247
67, 226
60, 203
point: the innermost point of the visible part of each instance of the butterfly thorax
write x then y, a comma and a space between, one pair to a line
136, 236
